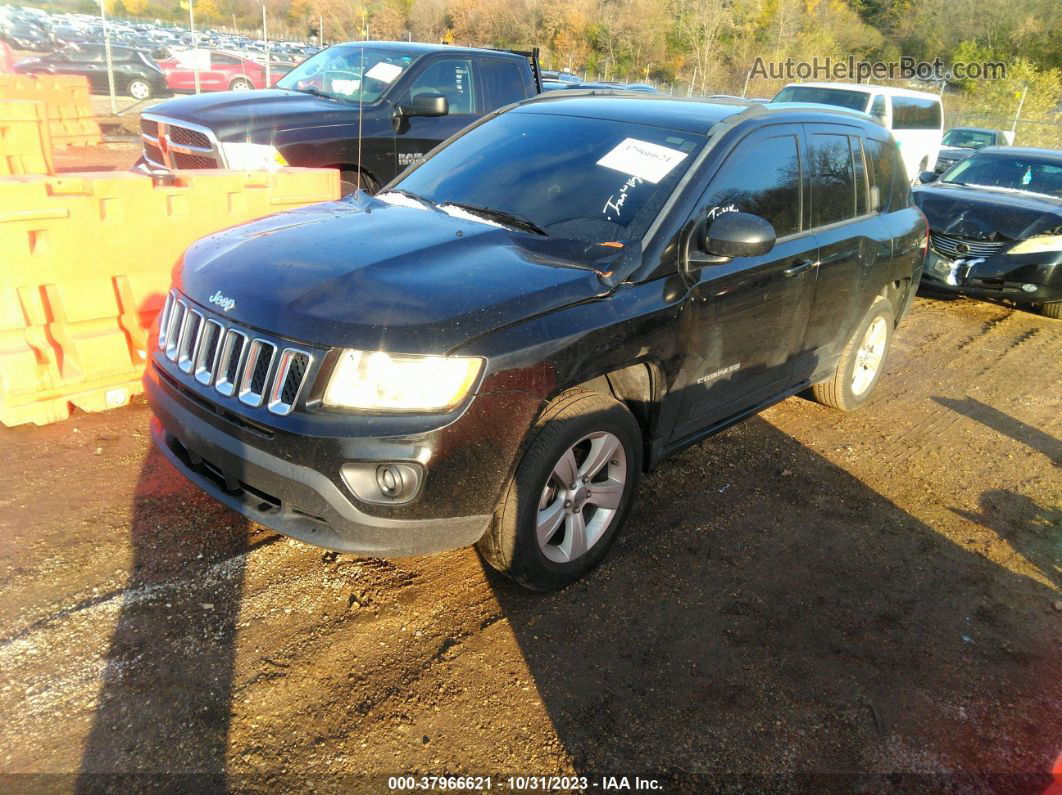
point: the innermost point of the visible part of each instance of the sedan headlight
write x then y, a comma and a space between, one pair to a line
251, 157
1040, 244
378, 381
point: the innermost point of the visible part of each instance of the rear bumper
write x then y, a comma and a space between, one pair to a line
287, 497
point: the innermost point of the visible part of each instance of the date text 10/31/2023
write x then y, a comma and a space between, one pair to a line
523, 783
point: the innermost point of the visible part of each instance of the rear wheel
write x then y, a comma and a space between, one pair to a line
570, 495
139, 89
1052, 309
348, 182
862, 360
240, 84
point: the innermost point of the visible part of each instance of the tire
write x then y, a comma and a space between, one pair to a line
571, 426
240, 84
139, 89
1052, 309
842, 391
348, 182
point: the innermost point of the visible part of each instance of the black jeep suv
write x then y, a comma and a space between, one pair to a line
493, 348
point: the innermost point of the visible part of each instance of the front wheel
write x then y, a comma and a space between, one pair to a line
862, 360
240, 84
349, 182
571, 493
139, 89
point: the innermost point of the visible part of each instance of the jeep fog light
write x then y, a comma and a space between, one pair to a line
392, 483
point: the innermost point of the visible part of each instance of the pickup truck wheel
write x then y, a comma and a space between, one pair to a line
240, 84
348, 183
571, 493
1052, 309
862, 360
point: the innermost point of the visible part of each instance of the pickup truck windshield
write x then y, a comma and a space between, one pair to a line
968, 139
590, 179
352, 73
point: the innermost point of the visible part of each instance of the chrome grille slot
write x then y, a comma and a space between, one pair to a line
230, 358
255, 371
164, 320
229, 361
288, 381
193, 325
174, 328
951, 246
206, 358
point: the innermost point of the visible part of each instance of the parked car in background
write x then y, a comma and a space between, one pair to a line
996, 227
368, 109
218, 71
25, 36
961, 142
135, 73
915, 118
494, 348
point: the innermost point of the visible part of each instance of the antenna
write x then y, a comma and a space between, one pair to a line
361, 104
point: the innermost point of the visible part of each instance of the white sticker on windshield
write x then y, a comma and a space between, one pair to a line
642, 159
384, 72
346, 86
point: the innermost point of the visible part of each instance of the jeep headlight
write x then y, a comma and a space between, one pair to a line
378, 381
1040, 244
252, 157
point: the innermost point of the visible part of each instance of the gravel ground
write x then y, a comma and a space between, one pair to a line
809, 600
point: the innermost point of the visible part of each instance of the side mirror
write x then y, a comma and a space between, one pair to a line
736, 235
426, 105
927, 176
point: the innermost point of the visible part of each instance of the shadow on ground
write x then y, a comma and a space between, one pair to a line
764, 604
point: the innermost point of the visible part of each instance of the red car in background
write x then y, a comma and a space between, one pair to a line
218, 71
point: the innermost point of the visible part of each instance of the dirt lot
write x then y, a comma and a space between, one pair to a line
872, 596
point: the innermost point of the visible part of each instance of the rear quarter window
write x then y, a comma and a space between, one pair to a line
915, 113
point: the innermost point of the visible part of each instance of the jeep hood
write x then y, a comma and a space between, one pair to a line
361, 273
984, 214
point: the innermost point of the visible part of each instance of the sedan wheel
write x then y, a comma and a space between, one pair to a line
140, 89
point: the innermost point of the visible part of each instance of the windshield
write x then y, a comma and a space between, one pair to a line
1023, 175
591, 179
338, 72
968, 139
842, 98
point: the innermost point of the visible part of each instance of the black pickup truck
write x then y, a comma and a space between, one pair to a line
492, 348
368, 109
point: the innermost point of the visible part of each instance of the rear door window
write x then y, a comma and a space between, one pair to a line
761, 176
502, 83
915, 113
833, 182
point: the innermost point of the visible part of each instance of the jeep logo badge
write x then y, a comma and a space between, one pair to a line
225, 303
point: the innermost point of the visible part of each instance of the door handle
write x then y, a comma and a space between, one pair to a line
800, 267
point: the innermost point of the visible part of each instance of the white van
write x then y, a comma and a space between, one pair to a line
915, 118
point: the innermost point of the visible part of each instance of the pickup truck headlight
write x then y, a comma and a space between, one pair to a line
1040, 244
251, 157
378, 381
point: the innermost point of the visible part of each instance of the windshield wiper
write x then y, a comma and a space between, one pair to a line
509, 219
414, 196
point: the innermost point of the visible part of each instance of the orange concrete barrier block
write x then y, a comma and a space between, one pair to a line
87, 262
25, 140
68, 103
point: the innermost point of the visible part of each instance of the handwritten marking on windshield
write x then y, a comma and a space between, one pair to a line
615, 203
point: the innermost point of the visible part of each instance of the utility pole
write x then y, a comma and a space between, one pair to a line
320, 31
1017, 114
265, 38
195, 43
107, 53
